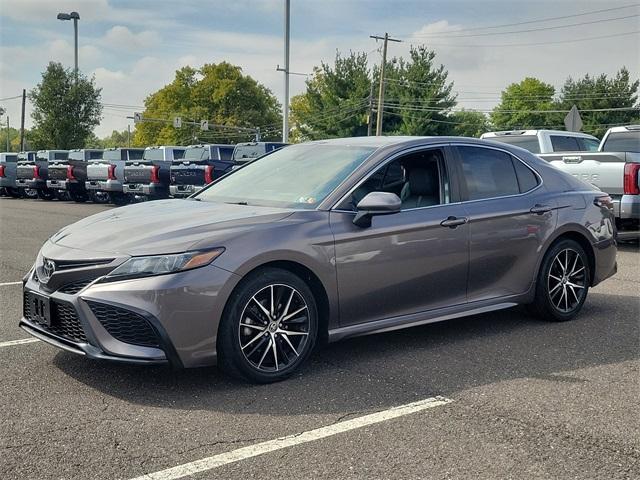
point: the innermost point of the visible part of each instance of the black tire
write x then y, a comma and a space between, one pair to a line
14, 192
560, 294
29, 192
62, 195
79, 197
118, 198
46, 194
239, 361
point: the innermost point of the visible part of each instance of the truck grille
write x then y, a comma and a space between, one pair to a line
126, 326
64, 320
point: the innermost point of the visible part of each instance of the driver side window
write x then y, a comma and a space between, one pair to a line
418, 178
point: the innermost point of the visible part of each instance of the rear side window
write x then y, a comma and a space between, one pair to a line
528, 142
527, 180
11, 158
95, 155
488, 173
60, 155
563, 143
588, 144
178, 153
135, 154
226, 153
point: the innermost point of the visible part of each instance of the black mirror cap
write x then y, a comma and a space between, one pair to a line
376, 203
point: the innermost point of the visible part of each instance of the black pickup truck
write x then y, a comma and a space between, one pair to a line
201, 165
33, 172
70, 175
148, 178
248, 151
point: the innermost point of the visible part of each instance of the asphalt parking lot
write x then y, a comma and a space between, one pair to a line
515, 397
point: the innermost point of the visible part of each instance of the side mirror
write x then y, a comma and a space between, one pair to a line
376, 203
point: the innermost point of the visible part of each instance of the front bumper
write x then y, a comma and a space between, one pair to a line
30, 183
184, 190
104, 185
149, 189
182, 308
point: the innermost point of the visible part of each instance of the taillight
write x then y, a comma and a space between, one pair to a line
154, 174
70, 173
208, 174
111, 175
1, 170
604, 201
36, 172
631, 179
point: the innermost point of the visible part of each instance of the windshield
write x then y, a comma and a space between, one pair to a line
528, 142
622, 142
112, 155
153, 154
300, 176
196, 153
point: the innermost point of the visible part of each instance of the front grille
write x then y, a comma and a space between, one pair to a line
126, 326
75, 287
64, 320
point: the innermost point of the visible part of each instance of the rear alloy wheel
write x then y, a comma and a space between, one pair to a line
563, 281
99, 197
29, 192
269, 327
79, 196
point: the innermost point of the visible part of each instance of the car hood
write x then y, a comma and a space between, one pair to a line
164, 226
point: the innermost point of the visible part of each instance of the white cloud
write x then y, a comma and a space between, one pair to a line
121, 37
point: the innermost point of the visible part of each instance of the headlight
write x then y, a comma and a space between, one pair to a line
160, 264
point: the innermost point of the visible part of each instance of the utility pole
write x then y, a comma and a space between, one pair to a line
24, 100
129, 135
370, 120
8, 150
386, 39
285, 106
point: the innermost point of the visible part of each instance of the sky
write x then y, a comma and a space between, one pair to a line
133, 47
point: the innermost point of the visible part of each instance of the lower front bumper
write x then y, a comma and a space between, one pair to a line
85, 349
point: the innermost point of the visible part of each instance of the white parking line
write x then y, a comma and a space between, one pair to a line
250, 451
18, 342
6, 284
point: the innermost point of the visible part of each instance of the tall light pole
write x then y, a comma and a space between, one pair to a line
285, 107
75, 16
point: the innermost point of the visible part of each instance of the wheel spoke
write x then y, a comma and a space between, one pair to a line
291, 315
292, 333
255, 327
253, 340
572, 290
566, 299
264, 354
286, 339
257, 346
272, 307
286, 308
264, 310
275, 352
575, 285
558, 285
576, 272
555, 278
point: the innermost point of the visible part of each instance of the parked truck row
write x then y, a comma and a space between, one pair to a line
122, 175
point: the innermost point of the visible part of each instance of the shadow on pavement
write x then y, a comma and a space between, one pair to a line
394, 368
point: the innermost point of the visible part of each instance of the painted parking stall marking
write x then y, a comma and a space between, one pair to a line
22, 341
6, 284
250, 451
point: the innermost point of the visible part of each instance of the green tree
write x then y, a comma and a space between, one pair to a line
520, 104
65, 111
116, 139
14, 139
336, 101
220, 93
602, 92
418, 97
469, 123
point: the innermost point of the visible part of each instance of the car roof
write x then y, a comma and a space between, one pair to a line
391, 141
535, 132
624, 128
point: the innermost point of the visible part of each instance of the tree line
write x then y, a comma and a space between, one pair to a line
339, 101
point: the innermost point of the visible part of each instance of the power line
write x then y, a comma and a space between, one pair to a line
548, 19
511, 32
436, 109
499, 45
10, 98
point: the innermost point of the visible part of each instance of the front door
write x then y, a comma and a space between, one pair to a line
406, 262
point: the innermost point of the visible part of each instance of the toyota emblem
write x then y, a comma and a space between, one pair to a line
48, 269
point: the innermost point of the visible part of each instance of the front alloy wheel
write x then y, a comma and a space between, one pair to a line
269, 326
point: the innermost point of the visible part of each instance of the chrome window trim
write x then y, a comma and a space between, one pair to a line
442, 145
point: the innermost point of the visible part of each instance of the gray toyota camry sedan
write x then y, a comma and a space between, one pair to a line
317, 242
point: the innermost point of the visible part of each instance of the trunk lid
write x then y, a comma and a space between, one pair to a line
58, 171
189, 173
137, 172
98, 170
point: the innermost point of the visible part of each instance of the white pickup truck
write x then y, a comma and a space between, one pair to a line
546, 141
614, 169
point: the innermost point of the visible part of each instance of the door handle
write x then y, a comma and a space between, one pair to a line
540, 209
453, 222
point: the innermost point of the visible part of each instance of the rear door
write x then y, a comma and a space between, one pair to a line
404, 263
510, 216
